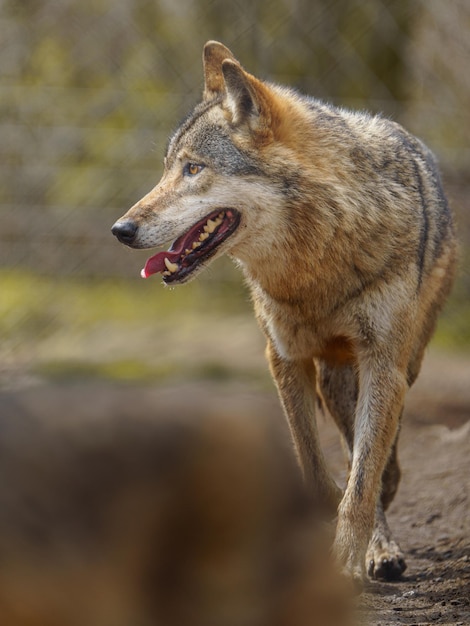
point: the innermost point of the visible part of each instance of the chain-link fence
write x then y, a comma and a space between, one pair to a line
90, 90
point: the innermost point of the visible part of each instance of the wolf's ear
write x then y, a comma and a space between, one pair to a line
214, 55
244, 94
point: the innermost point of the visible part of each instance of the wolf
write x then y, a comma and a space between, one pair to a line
340, 225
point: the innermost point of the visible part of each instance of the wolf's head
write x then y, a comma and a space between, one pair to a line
223, 180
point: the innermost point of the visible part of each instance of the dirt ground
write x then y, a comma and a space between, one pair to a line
431, 513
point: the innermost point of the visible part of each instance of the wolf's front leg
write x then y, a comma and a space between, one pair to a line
295, 381
385, 559
381, 395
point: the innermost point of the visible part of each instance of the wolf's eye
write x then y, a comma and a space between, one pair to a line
192, 169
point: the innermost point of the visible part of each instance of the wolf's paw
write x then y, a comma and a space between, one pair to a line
385, 563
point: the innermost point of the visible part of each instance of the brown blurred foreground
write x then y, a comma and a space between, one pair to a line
73, 454
117, 516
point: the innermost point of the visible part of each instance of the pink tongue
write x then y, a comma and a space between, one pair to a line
156, 263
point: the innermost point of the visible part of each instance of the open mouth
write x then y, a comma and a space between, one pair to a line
195, 246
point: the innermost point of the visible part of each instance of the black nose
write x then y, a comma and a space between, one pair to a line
125, 231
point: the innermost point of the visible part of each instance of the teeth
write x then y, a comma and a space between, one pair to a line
209, 228
211, 225
171, 267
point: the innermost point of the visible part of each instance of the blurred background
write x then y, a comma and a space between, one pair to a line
89, 92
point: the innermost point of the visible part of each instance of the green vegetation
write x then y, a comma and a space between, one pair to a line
128, 330
35, 305
140, 331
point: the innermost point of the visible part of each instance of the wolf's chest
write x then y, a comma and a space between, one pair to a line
304, 334
286, 339
304, 343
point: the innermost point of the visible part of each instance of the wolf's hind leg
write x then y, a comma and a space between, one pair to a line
338, 388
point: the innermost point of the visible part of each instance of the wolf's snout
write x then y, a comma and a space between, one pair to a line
125, 231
